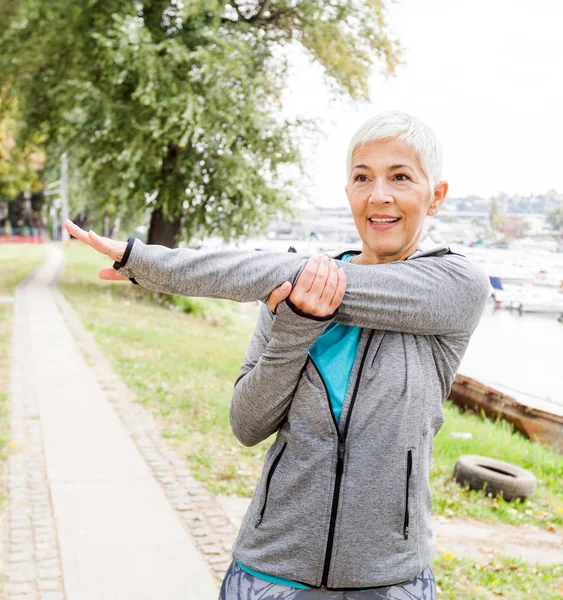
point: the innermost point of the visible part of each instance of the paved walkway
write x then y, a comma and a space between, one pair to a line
95, 513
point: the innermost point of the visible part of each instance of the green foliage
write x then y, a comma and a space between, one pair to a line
20, 165
175, 105
555, 218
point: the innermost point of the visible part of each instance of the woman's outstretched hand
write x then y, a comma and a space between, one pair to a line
318, 291
104, 245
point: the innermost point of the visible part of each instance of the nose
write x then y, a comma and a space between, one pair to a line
381, 192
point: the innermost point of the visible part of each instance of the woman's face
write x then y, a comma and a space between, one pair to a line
390, 196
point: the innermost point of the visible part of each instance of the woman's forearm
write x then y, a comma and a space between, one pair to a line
274, 360
434, 295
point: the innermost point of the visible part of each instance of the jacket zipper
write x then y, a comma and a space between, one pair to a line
268, 479
409, 470
339, 462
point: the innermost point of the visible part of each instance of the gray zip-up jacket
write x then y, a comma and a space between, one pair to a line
340, 505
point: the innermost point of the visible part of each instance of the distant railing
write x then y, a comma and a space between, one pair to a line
25, 235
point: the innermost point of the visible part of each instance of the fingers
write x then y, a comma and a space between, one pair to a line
325, 289
319, 283
307, 275
76, 231
110, 274
111, 248
330, 286
339, 292
279, 295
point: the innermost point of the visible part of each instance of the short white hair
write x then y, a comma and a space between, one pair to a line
401, 126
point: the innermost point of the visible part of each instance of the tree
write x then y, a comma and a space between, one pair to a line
555, 218
173, 105
20, 165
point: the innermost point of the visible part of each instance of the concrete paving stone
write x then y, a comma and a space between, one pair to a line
214, 559
221, 568
182, 506
177, 491
46, 554
194, 523
31, 596
49, 585
43, 522
45, 546
218, 521
51, 596
21, 575
211, 549
20, 524
227, 529
17, 557
19, 588
43, 542
49, 563
41, 532
202, 502
20, 535
26, 546
49, 573
227, 545
201, 532
207, 540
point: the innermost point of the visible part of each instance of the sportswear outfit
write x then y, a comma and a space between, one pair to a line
343, 504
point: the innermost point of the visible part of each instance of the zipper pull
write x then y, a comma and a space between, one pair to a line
407, 532
258, 521
341, 453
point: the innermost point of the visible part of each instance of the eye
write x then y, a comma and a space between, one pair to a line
361, 177
402, 177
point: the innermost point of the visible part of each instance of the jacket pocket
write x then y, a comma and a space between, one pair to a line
407, 487
268, 480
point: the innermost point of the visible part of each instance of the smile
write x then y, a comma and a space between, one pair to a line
383, 224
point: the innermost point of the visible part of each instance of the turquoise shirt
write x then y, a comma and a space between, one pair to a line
334, 353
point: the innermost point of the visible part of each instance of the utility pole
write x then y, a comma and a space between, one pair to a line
64, 197
60, 188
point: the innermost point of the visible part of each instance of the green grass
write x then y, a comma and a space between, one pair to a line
182, 367
498, 440
460, 579
17, 261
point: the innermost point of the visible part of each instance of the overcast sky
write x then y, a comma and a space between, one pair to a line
485, 75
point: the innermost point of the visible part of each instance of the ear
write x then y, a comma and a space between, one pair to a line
440, 192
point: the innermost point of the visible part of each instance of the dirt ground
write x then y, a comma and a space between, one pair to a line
468, 539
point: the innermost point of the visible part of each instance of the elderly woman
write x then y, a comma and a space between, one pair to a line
349, 365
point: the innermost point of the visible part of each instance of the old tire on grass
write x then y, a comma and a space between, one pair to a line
499, 477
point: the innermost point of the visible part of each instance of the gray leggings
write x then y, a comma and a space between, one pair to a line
240, 585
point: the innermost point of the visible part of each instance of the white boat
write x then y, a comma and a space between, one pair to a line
527, 298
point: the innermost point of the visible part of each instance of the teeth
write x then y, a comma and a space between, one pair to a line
383, 220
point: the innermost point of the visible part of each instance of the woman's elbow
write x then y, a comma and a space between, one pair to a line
244, 433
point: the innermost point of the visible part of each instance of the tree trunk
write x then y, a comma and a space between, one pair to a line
114, 233
163, 232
